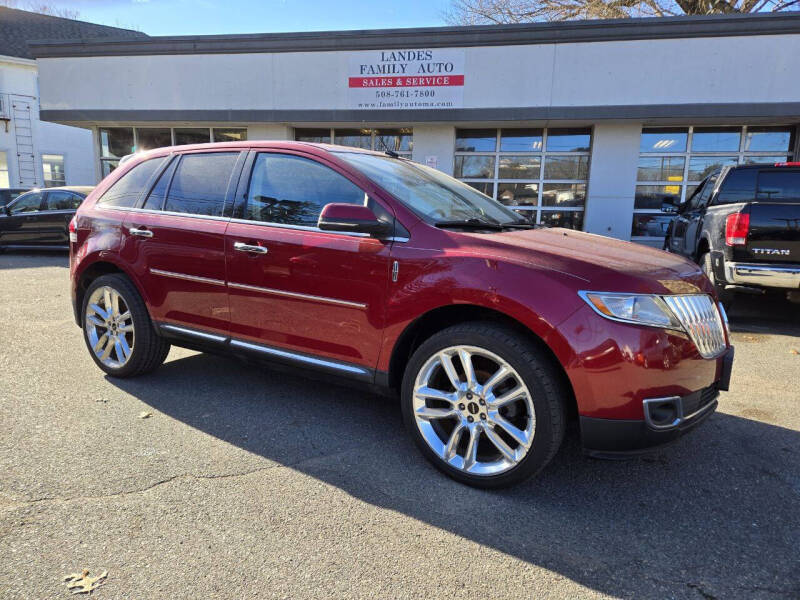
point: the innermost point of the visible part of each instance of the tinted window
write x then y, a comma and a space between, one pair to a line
779, 186
292, 190
739, 186
126, 190
62, 200
27, 203
156, 197
201, 183
701, 197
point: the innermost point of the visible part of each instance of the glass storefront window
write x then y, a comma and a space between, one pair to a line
476, 140
716, 139
219, 134
149, 138
400, 140
541, 173
569, 140
669, 139
674, 160
521, 140
194, 135
116, 142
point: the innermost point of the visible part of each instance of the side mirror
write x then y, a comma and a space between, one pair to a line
667, 206
352, 218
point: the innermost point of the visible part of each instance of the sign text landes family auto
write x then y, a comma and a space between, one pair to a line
406, 79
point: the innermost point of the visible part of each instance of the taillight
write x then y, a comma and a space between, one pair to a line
736, 227
73, 229
787, 164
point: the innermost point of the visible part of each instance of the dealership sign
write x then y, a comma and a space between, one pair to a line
406, 79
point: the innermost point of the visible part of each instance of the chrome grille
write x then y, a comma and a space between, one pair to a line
701, 319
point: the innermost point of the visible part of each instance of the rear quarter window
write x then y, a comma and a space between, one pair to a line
126, 190
780, 185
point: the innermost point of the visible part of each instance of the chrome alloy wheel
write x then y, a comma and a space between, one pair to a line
474, 410
109, 327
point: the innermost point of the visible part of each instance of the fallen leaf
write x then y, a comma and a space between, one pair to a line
145, 415
794, 351
81, 583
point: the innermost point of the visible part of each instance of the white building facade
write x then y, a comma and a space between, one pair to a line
35, 153
582, 124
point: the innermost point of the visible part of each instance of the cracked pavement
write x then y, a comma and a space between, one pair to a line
252, 483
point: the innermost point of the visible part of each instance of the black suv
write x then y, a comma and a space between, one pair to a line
742, 225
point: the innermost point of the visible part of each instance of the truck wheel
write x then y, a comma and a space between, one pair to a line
118, 330
484, 404
725, 296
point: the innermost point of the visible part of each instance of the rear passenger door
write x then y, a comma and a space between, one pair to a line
176, 243
60, 206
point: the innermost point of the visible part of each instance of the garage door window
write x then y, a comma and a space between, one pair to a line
397, 140
674, 160
540, 173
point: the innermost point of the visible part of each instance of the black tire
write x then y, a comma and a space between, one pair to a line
725, 296
149, 351
538, 372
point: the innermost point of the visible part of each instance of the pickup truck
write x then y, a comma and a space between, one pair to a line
742, 226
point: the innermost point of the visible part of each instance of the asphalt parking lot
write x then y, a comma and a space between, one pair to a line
247, 483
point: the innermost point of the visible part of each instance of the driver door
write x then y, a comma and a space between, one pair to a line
297, 292
23, 224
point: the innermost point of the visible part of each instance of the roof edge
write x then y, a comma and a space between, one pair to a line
432, 37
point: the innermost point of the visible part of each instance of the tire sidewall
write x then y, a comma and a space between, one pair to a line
543, 390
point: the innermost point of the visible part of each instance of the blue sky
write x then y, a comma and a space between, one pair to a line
186, 17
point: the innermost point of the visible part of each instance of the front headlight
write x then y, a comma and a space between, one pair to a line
642, 309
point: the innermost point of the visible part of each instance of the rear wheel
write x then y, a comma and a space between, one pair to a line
117, 328
725, 296
484, 404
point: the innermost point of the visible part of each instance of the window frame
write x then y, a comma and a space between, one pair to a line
542, 154
52, 183
246, 176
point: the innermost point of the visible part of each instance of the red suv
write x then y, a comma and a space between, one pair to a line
365, 265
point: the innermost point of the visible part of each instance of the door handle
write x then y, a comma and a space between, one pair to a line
242, 247
146, 233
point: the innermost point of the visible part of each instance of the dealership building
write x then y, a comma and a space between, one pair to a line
583, 124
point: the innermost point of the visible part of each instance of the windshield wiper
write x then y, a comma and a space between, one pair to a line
470, 224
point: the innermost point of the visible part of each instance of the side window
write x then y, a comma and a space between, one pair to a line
292, 190
63, 200
738, 186
779, 186
155, 199
27, 203
700, 199
201, 183
126, 190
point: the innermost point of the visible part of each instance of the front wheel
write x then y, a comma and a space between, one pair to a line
484, 404
117, 328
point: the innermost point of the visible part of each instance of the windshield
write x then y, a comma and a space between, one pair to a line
429, 193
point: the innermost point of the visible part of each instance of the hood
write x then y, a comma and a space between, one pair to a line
603, 264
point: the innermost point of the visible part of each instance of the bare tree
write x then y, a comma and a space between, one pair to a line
42, 8
481, 12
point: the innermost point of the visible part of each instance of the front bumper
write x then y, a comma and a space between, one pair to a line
666, 419
764, 275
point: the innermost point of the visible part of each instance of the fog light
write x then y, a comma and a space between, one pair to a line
663, 413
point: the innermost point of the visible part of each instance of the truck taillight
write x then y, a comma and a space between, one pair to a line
73, 229
787, 164
736, 227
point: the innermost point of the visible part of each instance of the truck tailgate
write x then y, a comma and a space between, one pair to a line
774, 235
